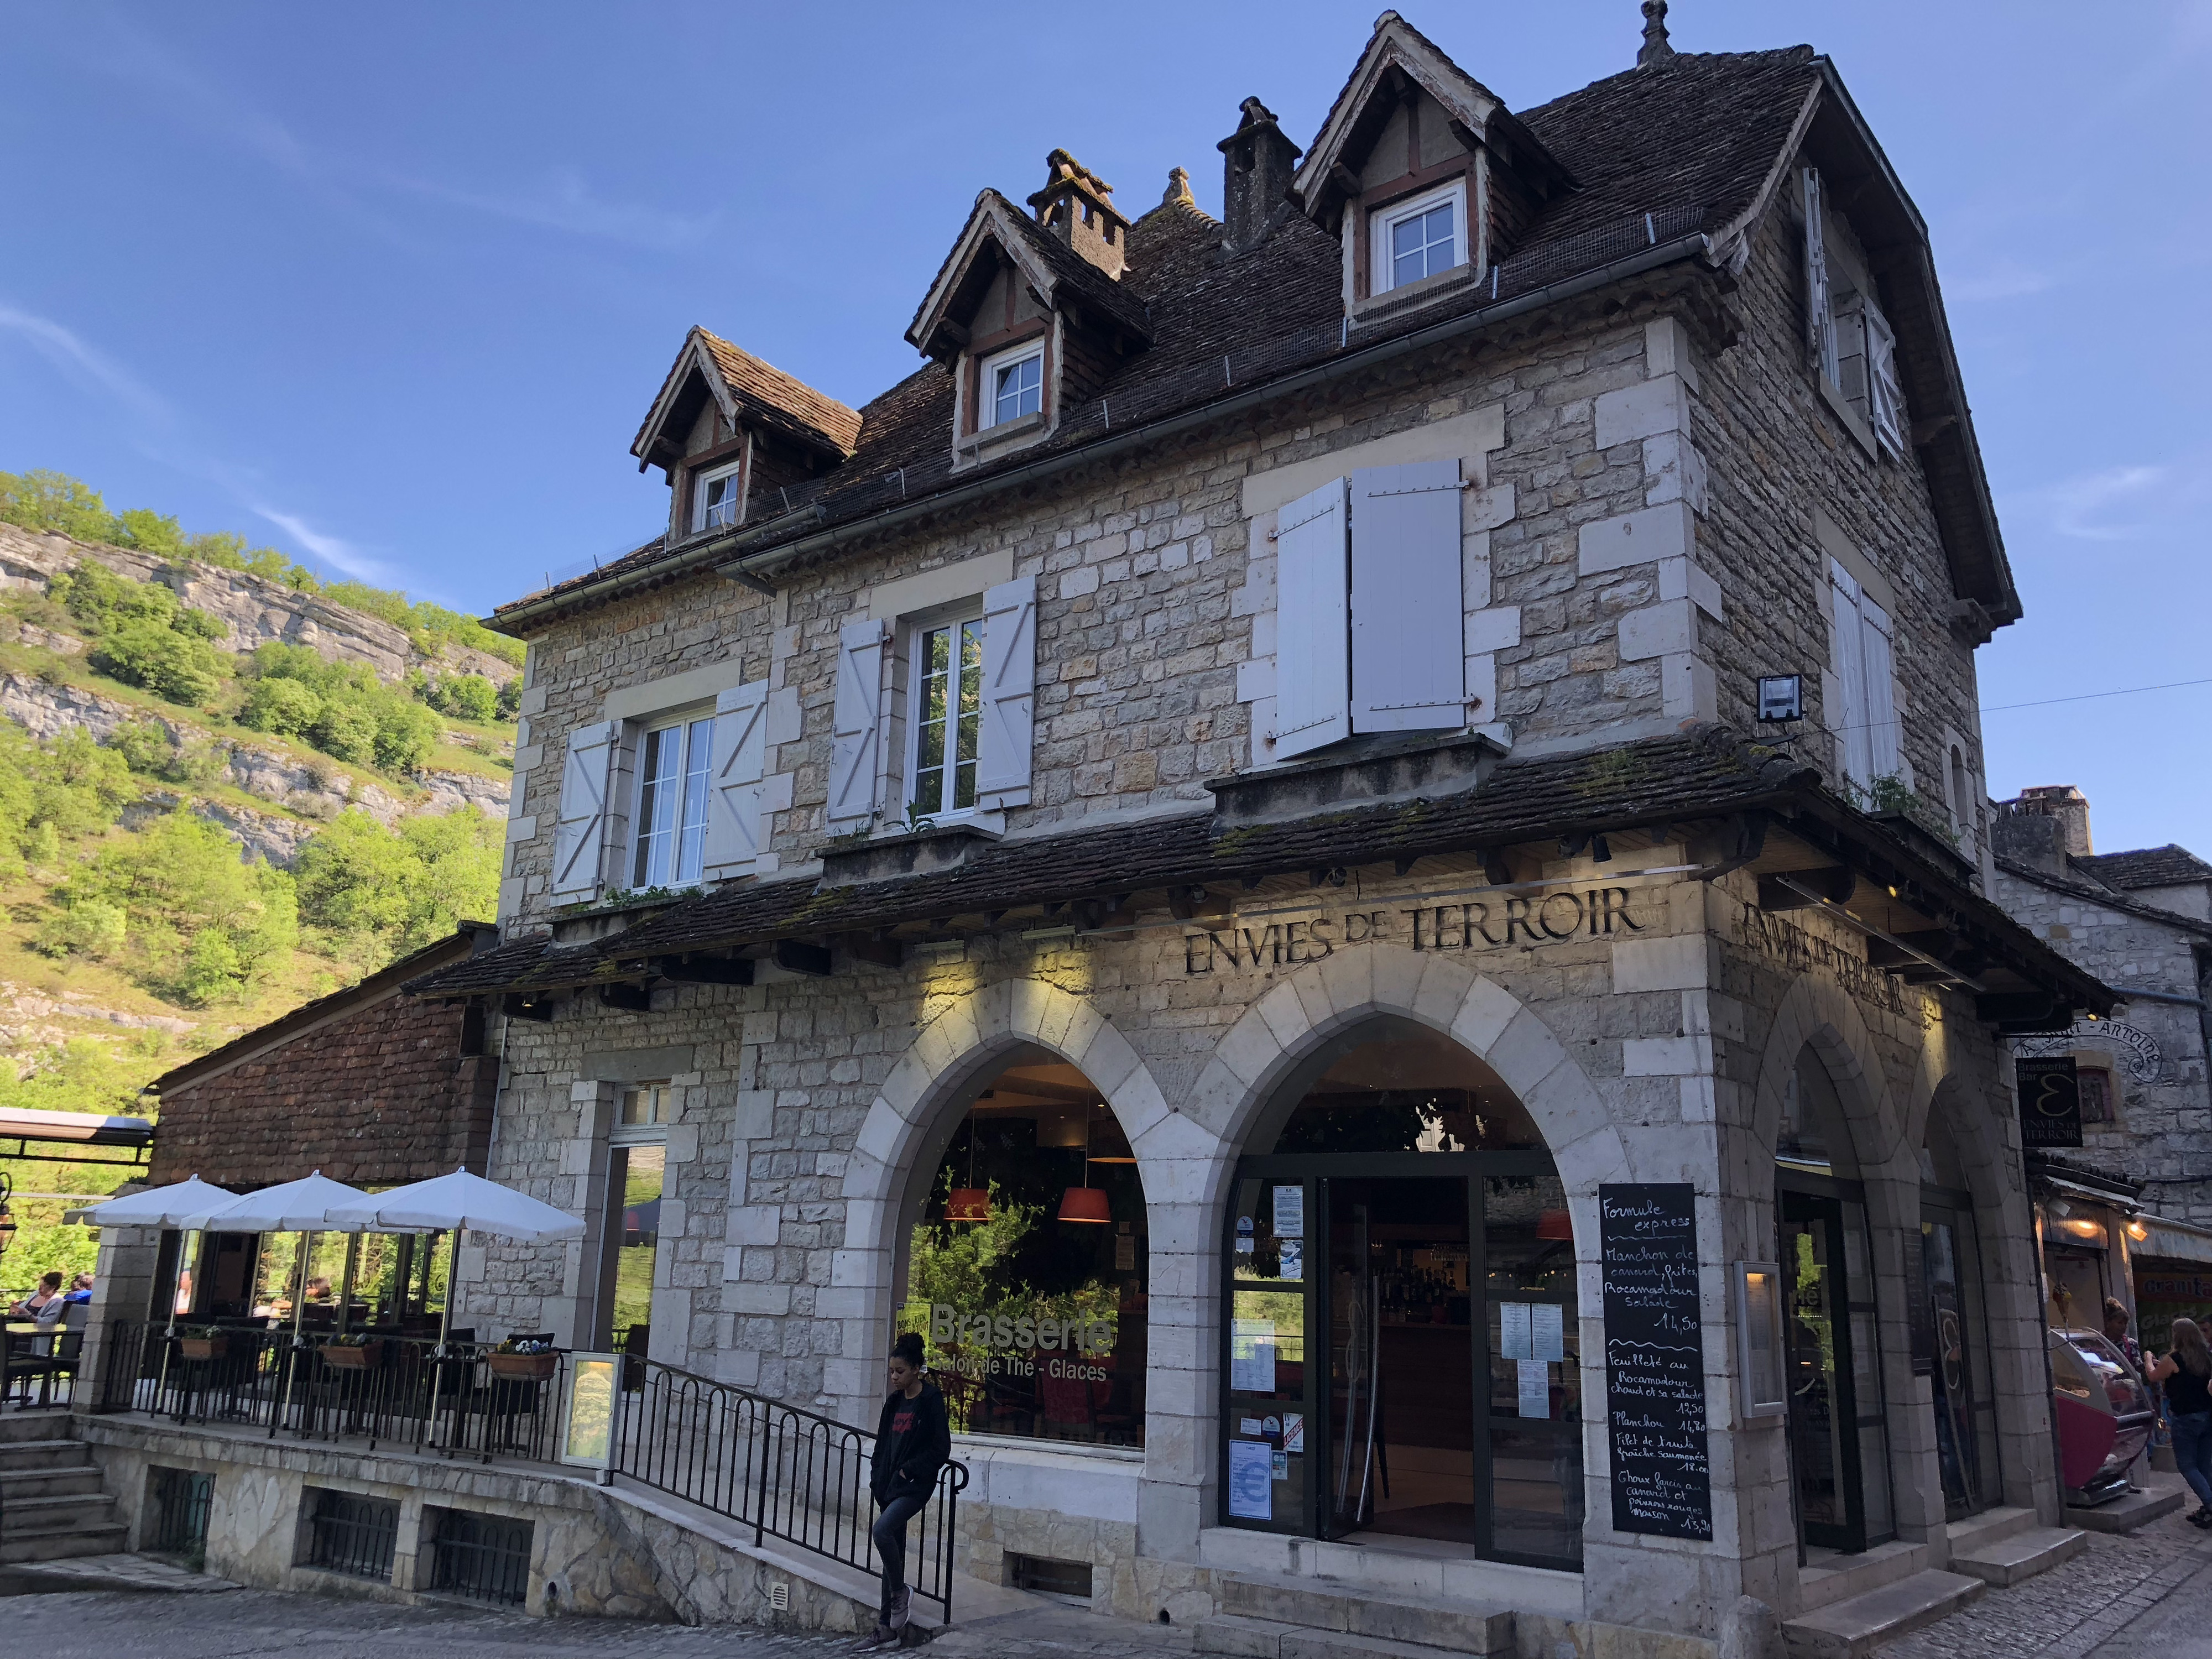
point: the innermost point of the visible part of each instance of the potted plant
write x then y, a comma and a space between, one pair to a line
353, 1351
523, 1359
203, 1342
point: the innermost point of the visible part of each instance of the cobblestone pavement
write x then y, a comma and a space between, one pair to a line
248, 1623
2100, 1603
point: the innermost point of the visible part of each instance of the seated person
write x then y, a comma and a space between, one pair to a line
80, 1290
43, 1305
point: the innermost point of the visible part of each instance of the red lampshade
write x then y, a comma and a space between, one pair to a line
1555, 1224
968, 1204
1085, 1204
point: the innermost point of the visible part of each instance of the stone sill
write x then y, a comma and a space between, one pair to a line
905, 852
1416, 766
1031, 1448
1376, 306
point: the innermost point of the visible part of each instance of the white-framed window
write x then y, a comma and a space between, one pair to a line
1011, 385
674, 761
1419, 238
945, 715
715, 501
648, 1105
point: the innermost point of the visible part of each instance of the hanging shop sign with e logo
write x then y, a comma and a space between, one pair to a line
2050, 1101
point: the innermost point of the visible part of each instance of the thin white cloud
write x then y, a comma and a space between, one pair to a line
564, 201
2007, 279
2118, 503
161, 435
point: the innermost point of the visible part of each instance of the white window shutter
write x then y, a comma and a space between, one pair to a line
1879, 668
1885, 398
856, 724
580, 835
1819, 319
1003, 748
1851, 671
1408, 633
735, 789
1313, 622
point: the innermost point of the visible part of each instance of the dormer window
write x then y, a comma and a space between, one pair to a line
1421, 237
716, 503
1013, 384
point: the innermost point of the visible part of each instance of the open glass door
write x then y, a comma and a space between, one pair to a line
1823, 1409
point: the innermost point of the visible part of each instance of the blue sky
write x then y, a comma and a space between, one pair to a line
391, 287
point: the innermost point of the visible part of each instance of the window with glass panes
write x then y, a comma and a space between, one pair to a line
1419, 240
948, 705
718, 501
672, 765
1017, 389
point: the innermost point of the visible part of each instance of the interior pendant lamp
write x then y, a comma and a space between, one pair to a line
1086, 1203
971, 1202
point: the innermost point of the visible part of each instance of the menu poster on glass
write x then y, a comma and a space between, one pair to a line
1290, 1212
1535, 1377
1252, 1356
1291, 1257
1547, 1331
1251, 1480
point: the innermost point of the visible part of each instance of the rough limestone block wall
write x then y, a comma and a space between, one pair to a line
2161, 1134
1775, 452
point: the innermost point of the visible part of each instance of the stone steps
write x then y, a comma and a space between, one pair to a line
1271, 1617
51, 1505
2003, 1562
2131, 1510
1854, 1626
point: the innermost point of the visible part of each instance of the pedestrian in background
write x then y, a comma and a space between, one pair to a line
2186, 1374
912, 1441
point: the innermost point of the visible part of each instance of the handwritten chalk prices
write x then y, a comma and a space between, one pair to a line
1654, 1360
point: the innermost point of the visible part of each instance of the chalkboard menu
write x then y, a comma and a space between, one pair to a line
1654, 1360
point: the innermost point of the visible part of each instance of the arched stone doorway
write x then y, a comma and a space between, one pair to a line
1403, 1346
1837, 1422
1026, 1261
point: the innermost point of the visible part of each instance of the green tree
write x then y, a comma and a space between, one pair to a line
464, 696
172, 665
286, 708
346, 730
147, 530
42, 499
406, 734
92, 927
78, 787
377, 892
101, 599
203, 924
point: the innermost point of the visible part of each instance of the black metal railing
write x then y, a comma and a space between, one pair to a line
789, 1474
459, 1398
485, 1557
350, 1533
181, 1498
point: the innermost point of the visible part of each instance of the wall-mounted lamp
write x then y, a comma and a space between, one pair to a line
1761, 1387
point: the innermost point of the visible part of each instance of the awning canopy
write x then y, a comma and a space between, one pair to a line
2172, 1241
296, 1206
456, 1201
73, 1130
186, 1203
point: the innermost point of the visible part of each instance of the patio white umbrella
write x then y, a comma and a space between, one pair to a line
453, 1203
292, 1206
185, 1203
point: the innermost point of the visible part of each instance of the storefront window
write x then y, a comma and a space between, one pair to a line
1411, 1092
1028, 1270
637, 1174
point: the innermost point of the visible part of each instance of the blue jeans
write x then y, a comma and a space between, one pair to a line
890, 1535
2192, 1451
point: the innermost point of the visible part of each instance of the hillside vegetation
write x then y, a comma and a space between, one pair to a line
203, 822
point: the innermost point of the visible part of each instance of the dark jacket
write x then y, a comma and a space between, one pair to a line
913, 1443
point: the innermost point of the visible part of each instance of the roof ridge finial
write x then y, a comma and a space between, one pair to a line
1656, 47
1178, 189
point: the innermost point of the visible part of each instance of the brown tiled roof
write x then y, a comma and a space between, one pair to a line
1703, 774
2170, 865
1688, 144
770, 395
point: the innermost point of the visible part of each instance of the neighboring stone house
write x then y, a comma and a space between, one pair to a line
2142, 921
1247, 773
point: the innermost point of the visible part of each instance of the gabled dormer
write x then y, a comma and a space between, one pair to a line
1028, 312
1422, 172
728, 428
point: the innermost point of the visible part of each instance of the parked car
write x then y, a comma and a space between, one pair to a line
2104, 1411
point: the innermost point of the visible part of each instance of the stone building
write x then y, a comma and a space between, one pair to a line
1219, 849
2136, 1221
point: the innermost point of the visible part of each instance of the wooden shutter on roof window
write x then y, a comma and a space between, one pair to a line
1003, 750
1819, 317
1313, 632
735, 789
580, 835
856, 724
1885, 399
1408, 638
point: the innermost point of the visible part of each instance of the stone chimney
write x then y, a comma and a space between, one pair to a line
1258, 164
1077, 206
2043, 826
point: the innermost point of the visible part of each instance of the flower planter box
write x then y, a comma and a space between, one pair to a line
203, 1347
522, 1367
344, 1356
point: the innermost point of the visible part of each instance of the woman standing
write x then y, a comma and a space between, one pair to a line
913, 1443
2187, 1374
